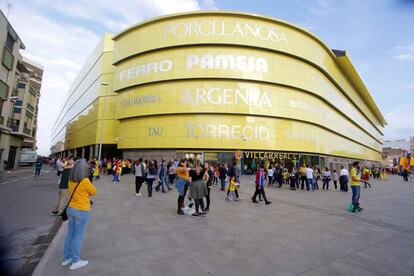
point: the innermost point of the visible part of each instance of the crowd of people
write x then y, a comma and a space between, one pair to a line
193, 181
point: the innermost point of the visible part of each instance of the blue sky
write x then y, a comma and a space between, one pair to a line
378, 35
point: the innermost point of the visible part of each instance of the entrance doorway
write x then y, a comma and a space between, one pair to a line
12, 157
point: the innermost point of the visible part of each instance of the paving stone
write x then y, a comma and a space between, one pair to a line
301, 233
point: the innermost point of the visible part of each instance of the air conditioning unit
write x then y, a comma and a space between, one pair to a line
24, 76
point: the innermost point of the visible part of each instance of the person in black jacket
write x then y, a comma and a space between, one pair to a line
63, 188
223, 175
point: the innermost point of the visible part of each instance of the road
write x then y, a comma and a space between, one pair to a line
26, 224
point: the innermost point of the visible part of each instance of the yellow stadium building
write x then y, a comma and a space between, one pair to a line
219, 86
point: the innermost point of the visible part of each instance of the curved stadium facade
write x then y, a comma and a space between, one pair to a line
220, 86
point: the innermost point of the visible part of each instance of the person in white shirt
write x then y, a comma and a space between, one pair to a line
326, 178
309, 178
140, 173
60, 166
343, 179
270, 173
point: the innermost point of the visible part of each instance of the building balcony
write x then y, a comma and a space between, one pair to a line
27, 131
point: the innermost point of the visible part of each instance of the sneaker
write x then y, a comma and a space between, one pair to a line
55, 213
254, 200
180, 212
203, 214
207, 209
268, 202
138, 194
195, 215
66, 262
78, 264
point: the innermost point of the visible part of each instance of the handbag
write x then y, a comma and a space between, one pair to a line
64, 214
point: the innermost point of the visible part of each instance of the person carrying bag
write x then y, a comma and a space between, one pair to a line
77, 213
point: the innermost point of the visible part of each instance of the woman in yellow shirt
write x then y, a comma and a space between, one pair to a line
78, 213
182, 185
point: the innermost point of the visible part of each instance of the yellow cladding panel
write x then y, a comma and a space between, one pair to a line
86, 128
237, 63
237, 97
236, 132
237, 30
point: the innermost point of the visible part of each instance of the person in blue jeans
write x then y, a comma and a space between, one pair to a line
38, 166
223, 175
80, 190
152, 174
309, 178
162, 173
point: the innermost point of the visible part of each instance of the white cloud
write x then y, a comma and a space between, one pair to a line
116, 15
63, 47
322, 7
404, 53
208, 5
400, 122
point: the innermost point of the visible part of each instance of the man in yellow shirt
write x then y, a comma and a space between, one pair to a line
356, 185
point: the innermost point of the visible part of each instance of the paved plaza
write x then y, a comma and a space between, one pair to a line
300, 233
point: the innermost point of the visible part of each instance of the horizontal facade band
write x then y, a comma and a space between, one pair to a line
230, 96
233, 63
235, 132
237, 30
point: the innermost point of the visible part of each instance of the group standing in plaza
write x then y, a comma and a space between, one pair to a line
192, 179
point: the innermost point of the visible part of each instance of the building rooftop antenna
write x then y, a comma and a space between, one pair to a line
9, 8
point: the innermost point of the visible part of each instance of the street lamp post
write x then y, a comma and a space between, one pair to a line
102, 124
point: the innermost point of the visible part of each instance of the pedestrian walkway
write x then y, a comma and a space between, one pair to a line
301, 233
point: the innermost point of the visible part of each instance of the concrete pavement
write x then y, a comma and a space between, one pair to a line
26, 225
300, 233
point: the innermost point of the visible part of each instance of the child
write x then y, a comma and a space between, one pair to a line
232, 190
365, 177
117, 173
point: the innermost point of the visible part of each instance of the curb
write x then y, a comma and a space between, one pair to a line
46, 257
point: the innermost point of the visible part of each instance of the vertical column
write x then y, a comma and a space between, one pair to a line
91, 153
83, 152
96, 150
